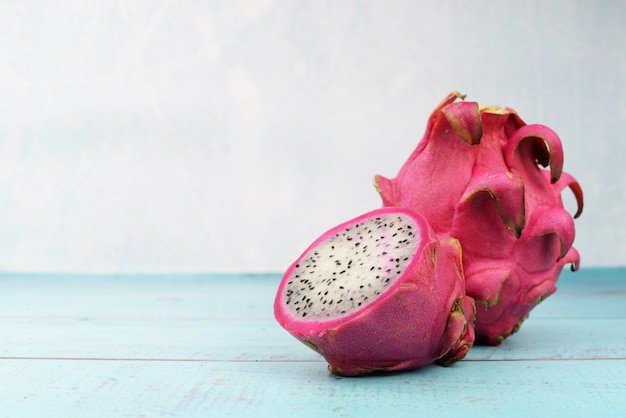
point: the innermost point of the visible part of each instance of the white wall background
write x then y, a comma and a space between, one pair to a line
202, 136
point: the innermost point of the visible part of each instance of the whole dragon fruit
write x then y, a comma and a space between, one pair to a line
379, 292
475, 177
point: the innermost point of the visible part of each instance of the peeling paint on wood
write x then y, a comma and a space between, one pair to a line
179, 346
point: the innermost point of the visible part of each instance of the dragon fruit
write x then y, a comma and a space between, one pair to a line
475, 176
379, 293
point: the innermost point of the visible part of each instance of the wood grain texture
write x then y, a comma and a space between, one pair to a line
185, 346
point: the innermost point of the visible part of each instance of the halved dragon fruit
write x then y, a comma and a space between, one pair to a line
379, 292
475, 177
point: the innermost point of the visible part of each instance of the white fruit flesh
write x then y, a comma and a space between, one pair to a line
351, 267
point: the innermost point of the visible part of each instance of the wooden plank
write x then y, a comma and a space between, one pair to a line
179, 345
189, 317
286, 389
137, 296
264, 340
588, 293
542, 339
219, 340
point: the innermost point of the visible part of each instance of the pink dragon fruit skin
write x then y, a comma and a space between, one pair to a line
422, 317
475, 177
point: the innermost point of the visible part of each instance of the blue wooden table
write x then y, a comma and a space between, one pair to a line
208, 345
